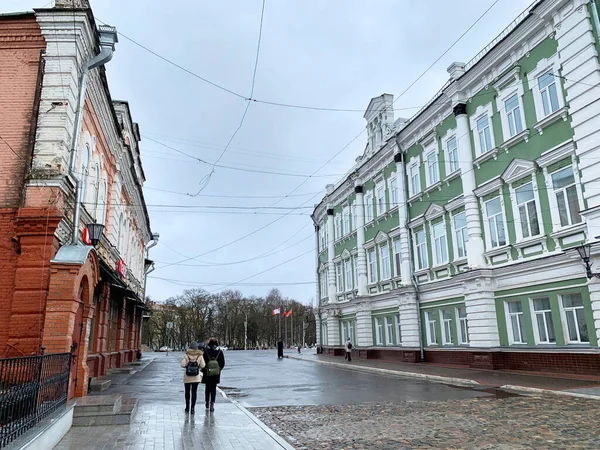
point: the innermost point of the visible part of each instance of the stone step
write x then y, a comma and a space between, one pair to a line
122, 417
100, 384
98, 405
125, 370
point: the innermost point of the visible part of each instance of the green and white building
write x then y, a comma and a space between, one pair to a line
456, 231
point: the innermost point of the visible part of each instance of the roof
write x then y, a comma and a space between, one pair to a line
72, 254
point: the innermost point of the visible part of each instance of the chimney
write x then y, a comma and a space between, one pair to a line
72, 4
456, 69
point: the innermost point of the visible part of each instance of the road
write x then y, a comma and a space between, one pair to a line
256, 378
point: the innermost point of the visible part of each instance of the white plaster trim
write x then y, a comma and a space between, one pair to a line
455, 203
540, 291
522, 136
562, 113
518, 169
452, 176
557, 153
495, 184
493, 153
434, 211
543, 65
482, 110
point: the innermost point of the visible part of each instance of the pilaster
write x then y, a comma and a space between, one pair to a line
331, 290
405, 272
481, 311
409, 319
360, 242
364, 325
333, 330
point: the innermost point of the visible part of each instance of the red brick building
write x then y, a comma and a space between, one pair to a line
56, 291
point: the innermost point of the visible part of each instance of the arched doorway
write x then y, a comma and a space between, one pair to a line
78, 337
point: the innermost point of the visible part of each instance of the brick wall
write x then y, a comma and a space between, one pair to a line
21, 42
8, 260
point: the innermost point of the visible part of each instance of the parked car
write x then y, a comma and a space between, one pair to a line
165, 349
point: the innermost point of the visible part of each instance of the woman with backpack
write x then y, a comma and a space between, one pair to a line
193, 363
214, 363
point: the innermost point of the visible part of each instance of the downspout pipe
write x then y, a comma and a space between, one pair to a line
318, 282
151, 269
108, 38
412, 271
596, 19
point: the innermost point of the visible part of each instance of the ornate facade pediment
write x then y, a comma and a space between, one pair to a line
518, 169
381, 237
434, 211
345, 254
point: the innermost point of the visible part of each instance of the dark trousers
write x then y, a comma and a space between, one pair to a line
210, 392
349, 356
193, 387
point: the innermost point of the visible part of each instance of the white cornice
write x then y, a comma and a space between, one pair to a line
555, 154
487, 188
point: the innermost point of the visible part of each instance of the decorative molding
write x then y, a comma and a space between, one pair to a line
509, 79
455, 203
381, 237
519, 137
492, 154
416, 222
562, 113
487, 188
434, 211
517, 169
555, 154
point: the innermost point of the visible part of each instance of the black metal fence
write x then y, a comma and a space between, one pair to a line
31, 387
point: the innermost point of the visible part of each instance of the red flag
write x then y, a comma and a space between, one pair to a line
289, 313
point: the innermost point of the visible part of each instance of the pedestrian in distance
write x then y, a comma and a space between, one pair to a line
279, 348
192, 362
214, 363
348, 346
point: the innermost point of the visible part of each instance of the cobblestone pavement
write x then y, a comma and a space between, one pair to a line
548, 422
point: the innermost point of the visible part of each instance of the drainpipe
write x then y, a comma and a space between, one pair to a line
412, 271
153, 242
596, 20
320, 344
108, 38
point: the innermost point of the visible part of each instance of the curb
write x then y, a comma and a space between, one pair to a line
282, 442
538, 391
398, 373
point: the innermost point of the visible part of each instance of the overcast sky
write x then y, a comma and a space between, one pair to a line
331, 54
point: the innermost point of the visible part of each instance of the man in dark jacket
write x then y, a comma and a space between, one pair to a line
212, 353
279, 349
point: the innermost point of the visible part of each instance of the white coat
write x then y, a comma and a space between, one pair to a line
193, 355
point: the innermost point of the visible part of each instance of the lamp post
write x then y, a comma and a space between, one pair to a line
95, 231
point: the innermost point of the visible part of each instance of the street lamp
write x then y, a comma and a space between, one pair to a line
585, 251
95, 232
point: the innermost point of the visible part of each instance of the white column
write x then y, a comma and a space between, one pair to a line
475, 246
364, 325
409, 320
360, 241
331, 290
333, 331
481, 312
405, 273
317, 275
318, 329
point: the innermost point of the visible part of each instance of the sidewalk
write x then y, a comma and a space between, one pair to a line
161, 423
535, 382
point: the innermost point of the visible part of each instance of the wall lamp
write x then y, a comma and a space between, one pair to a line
585, 253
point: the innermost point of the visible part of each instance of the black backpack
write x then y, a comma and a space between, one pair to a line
349, 346
192, 369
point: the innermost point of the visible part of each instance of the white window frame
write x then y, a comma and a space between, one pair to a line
488, 237
324, 333
442, 240
372, 265
103, 200
463, 232
535, 324
432, 168
347, 263
345, 220
323, 283
430, 329
417, 248
397, 252
509, 324
86, 158
380, 201
449, 169
384, 261
393, 192
338, 226
504, 95
339, 277
446, 322
355, 270
563, 315
398, 324
353, 217
481, 111
554, 202
378, 331
369, 207
389, 330
543, 66
414, 177
517, 213
459, 325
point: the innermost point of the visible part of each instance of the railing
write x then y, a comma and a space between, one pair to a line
31, 388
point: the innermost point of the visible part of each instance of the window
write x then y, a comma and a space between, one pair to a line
324, 333
393, 192
322, 240
103, 202
430, 329
120, 232
463, 328
548, 92
85, 170
461, 234
484, 134
421, 250
384, 256
369, 207
96, 184
372, 266
380, 199
354, 219
415, 180
452, 154
339, 277
323, 283
432, 168
446, 326
389, 331
378, 331
355, 268
517, 323
439, 238
398, 330
574, 316
345, 220
543, 320
513, 115
348, 274
348, 330
495, 221
565, 190
527, 211
397, 257
338, 226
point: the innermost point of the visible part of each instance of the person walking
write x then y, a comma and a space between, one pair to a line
192, 362
214, 362
348, 346
279, 348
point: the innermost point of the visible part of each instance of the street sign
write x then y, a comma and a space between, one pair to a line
169, 325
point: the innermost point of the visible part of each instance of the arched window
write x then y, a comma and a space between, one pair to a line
103, 202
120, 232
85, 171
96, 185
